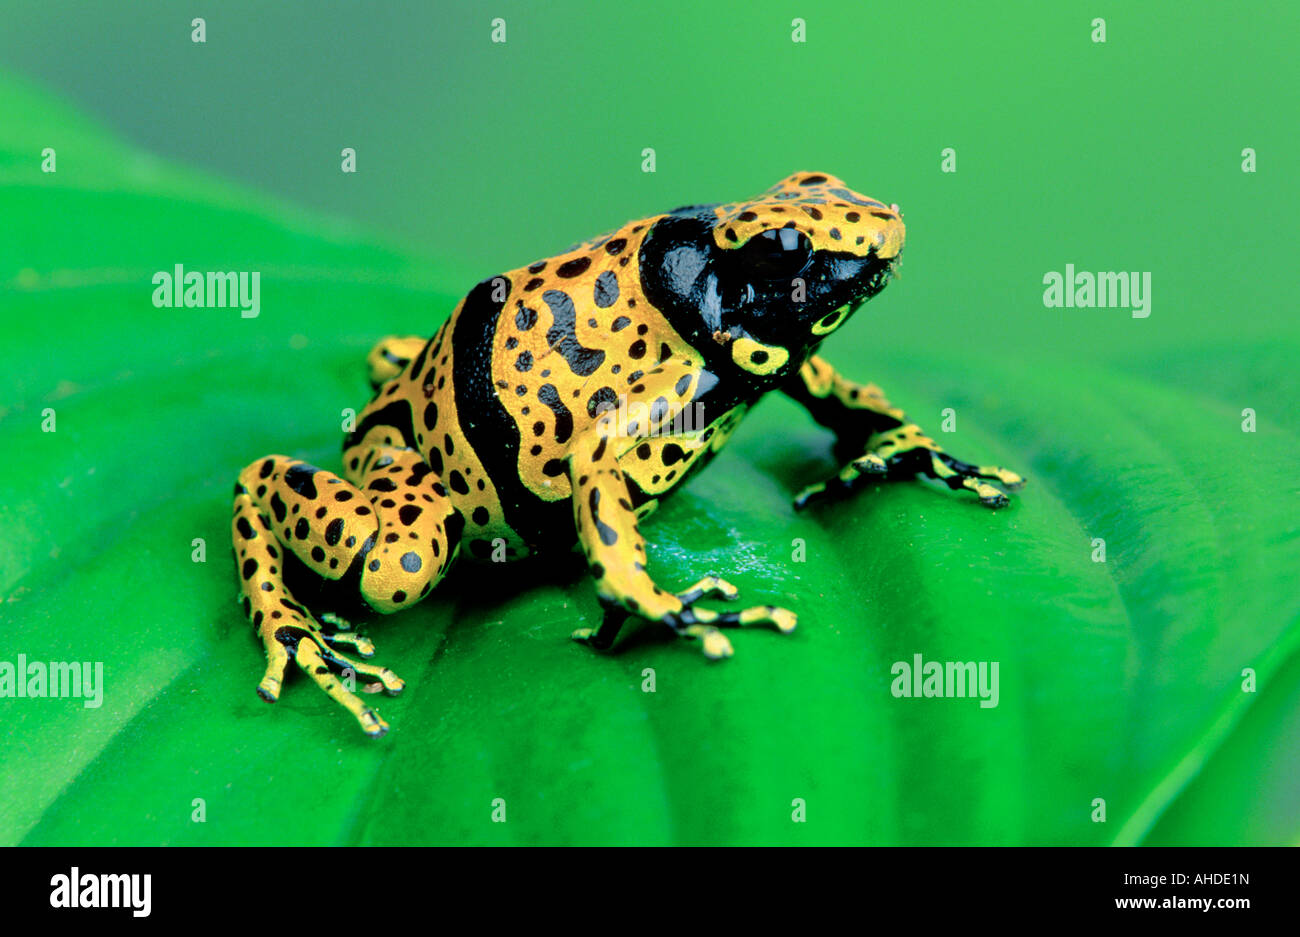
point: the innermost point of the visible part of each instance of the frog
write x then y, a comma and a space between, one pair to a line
558, 405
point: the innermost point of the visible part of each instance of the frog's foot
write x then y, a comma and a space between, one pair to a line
958, 475
692, 622
286, 510
906, 452
703, 624
298, 637
849, 479
390, 356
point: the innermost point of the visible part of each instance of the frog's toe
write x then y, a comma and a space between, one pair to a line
362, 645
782, 619
714, 643
957, 474
315, 665
988, 495
710, 587
849, 478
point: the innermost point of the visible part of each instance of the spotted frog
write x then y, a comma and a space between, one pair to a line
559, 404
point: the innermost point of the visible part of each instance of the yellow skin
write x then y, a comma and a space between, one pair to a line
559, 404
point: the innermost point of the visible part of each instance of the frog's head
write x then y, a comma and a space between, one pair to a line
769, 278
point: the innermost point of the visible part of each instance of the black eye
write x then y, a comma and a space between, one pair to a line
780, 253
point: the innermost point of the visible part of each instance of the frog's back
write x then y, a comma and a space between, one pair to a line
527, 362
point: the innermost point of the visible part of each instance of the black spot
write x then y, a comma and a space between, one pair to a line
524, 362
533, 284
411, 562
606, 289
250, 567
852, 217
301, 529
537, 267
883, 215
399, 597
334, 531
643, 451
553, 467
245, 529
383, 484
835, 234
267, 467
525, 318
561, 335
608, 535
457, 482
620, 324
430, 415
481, 516
318, 554
573, 268
408, 513
603, 399
747, 216
342, 495
673, 453
758, 357
812, 180
731, 235
548, 395
637, 349
278, 506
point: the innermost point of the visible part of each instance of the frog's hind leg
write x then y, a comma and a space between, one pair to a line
615, 550
390, 356
390, 537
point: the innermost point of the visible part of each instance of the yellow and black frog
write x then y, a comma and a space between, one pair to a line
560, 402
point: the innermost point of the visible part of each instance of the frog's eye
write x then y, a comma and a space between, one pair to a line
780, 253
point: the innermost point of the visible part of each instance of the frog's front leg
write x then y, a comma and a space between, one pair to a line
608, 532
891, 446
389, 537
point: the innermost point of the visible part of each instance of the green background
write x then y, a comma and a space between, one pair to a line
1119, 680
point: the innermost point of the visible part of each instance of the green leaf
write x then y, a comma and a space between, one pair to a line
1118, 680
